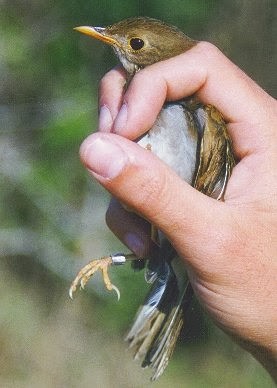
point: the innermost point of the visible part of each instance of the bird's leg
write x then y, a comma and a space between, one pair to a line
100, 264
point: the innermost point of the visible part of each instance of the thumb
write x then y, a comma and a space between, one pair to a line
148, 186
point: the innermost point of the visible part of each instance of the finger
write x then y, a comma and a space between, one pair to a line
131, 229
111, 91
144, 183
203, 70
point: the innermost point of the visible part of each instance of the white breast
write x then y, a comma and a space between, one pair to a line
173, 138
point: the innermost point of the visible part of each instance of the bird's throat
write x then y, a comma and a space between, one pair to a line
130, 67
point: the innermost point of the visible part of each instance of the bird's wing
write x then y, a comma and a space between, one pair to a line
216, 159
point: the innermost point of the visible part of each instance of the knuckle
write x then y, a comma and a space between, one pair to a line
138, 78
208, 50
105, 81
143, 76
115, 75
207, 47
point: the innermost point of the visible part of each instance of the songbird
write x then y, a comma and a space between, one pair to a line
193, 140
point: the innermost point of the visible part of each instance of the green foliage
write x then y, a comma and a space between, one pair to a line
52, 215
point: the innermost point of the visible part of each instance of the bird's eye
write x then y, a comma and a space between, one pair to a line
136, 43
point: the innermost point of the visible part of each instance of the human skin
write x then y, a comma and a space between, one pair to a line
229, 248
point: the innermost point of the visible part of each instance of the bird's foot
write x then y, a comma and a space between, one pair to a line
99, 264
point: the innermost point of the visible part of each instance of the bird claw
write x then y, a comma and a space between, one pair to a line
88, 270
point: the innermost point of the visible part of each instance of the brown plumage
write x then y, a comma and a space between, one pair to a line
156, 35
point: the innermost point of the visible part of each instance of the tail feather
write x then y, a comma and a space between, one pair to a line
143, 345
155, 330
159, 360
147, 313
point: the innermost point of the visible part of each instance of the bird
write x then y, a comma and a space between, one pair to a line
192, 138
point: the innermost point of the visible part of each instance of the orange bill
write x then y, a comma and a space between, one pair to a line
96, 33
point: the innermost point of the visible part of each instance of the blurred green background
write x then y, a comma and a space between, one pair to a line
52, 214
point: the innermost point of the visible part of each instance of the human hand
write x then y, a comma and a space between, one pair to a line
229, 248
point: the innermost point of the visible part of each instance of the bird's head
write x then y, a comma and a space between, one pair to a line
141, 41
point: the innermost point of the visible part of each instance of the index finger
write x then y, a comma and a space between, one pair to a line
203, 70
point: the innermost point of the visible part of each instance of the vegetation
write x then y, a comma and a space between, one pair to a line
52, 214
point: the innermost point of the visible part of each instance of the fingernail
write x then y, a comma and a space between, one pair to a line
121, 119
103, 157
105, 119
135, 243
